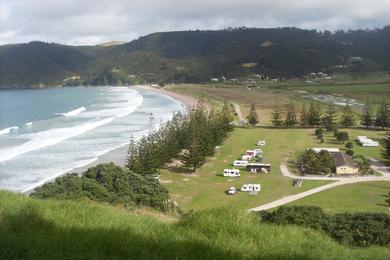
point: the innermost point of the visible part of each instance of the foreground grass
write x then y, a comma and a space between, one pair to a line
358, 197
37, 229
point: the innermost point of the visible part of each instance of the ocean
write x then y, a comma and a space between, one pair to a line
45, 133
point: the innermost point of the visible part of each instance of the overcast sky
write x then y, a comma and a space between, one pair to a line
84, 22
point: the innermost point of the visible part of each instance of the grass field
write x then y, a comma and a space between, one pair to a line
52, 229
358, 197
205, 189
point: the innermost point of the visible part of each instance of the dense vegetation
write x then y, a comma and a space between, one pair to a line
108, 183
196, 56
195, 136
52, 229
358, 229
311, 162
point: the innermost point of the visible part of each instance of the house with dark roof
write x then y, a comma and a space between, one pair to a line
344, 164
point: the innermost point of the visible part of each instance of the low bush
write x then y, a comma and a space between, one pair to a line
358, 230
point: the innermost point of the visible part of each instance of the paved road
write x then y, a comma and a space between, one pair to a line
338, 181
237, 108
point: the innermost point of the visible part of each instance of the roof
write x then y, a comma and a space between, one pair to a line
343, 159
329, 150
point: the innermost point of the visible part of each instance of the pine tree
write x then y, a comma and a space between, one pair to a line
290, 116
382, 117
314, 115
303, 116
386, 146
276, 118
194, 156
347, 118
252, 117
367, 118
329, 119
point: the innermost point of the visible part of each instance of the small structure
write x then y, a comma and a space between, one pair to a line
261, 143
231, 173
365, 141
329, 150
251, 188
240, 163
257, 167
344, 164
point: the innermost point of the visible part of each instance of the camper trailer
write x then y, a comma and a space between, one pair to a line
246, 157
261, 143
251, 187
231, 173
240, 163
257, 167
365, 141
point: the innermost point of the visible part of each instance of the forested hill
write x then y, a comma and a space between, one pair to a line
195, 56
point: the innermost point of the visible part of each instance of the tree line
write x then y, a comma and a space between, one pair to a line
289, 117
191, 137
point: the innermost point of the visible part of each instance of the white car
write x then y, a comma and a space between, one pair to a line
232, 191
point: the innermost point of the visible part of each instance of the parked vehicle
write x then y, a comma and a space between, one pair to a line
232, 191
251, 188
246, 157
261, 143
240, 163
231, 173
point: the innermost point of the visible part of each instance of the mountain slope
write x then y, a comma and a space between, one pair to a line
196, 56
37, 229
39, 63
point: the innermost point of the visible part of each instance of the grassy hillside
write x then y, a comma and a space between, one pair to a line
37, 229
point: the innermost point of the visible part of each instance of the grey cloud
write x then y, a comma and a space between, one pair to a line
96, 21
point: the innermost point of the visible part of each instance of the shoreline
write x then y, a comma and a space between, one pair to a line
119, 155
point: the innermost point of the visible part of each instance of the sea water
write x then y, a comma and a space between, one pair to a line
45, 133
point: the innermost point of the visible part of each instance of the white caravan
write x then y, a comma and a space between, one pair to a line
231, 173
240, 163
251, 187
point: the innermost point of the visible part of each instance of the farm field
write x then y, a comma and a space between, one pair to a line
358, 197
268, 97
206, 188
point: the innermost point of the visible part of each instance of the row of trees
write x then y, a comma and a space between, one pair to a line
194, 136
314, 117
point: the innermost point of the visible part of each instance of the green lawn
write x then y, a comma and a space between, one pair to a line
205, 189
358, 197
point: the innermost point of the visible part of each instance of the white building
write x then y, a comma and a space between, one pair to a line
329, 150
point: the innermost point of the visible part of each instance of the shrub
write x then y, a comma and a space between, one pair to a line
108, 183
349, 145
350, 152
359, 229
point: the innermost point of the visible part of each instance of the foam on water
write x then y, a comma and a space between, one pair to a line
73, 112
8, 130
